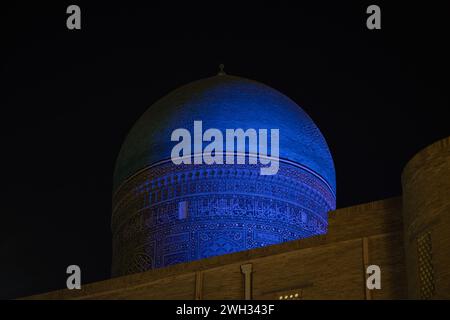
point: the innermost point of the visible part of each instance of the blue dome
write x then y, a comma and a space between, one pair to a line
222, 102
166, 213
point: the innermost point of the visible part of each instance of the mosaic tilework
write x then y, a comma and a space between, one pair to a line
225, 209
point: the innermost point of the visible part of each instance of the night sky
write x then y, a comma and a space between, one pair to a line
69, 98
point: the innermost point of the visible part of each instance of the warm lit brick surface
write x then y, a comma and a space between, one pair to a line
426, 201
330, 266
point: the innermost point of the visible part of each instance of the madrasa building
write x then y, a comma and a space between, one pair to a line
225, 231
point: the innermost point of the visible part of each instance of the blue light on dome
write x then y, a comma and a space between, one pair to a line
165, 214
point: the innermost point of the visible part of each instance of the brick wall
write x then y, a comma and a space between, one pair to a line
324, 267
426, 201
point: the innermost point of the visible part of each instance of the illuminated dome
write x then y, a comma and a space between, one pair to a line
165, 213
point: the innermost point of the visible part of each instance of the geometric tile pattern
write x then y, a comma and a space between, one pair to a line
426, 272
225, 209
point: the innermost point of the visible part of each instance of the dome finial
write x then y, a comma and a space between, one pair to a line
221, 72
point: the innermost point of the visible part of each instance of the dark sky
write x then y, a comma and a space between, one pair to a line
70, 97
